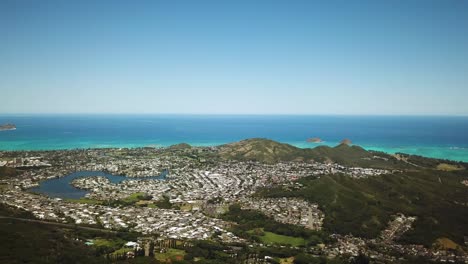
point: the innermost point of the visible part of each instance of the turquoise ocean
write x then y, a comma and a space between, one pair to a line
443, 137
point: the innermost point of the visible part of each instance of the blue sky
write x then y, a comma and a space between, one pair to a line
234, 57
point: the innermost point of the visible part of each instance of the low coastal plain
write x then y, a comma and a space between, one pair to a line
256, 198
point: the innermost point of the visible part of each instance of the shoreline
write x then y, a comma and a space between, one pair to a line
441, 138
453, 153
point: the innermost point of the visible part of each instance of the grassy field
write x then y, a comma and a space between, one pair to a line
286, 260
133, 198
121, 251
111, 243
449, 167
445, 243
170, 255
130, 200
272, 238
85, 200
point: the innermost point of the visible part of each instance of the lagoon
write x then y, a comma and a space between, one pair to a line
62, 188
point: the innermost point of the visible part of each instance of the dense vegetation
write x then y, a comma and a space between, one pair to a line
269, 151
252, 224
163, 203
24, 242
363, 207
205, 252
32, 242
6, 172
429, 162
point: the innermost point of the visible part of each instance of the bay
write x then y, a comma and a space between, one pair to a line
443, 137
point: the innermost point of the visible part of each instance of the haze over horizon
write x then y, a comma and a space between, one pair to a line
215, 57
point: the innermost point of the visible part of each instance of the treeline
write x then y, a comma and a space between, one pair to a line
248, 220
23, 242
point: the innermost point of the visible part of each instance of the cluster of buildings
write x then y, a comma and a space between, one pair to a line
191, 181
358, 172
437, 255
163, 222
197, 180
465, 182
345, 245
228, 181
29, 162
385, 247
397, 227
288, 210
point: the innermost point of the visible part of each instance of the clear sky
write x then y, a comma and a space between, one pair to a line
234, 57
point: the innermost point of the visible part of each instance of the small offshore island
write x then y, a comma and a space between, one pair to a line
7, 127
314, 140
252, 201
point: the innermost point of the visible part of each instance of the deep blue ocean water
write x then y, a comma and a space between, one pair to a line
440, 137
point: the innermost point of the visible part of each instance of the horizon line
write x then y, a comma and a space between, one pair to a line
236, 114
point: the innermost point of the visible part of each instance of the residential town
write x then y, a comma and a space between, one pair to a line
288, 210
380, 248
161, 222
198, 185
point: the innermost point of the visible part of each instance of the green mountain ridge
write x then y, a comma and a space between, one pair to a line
269, 151
363, 207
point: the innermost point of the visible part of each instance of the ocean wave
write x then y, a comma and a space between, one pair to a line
458, 148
